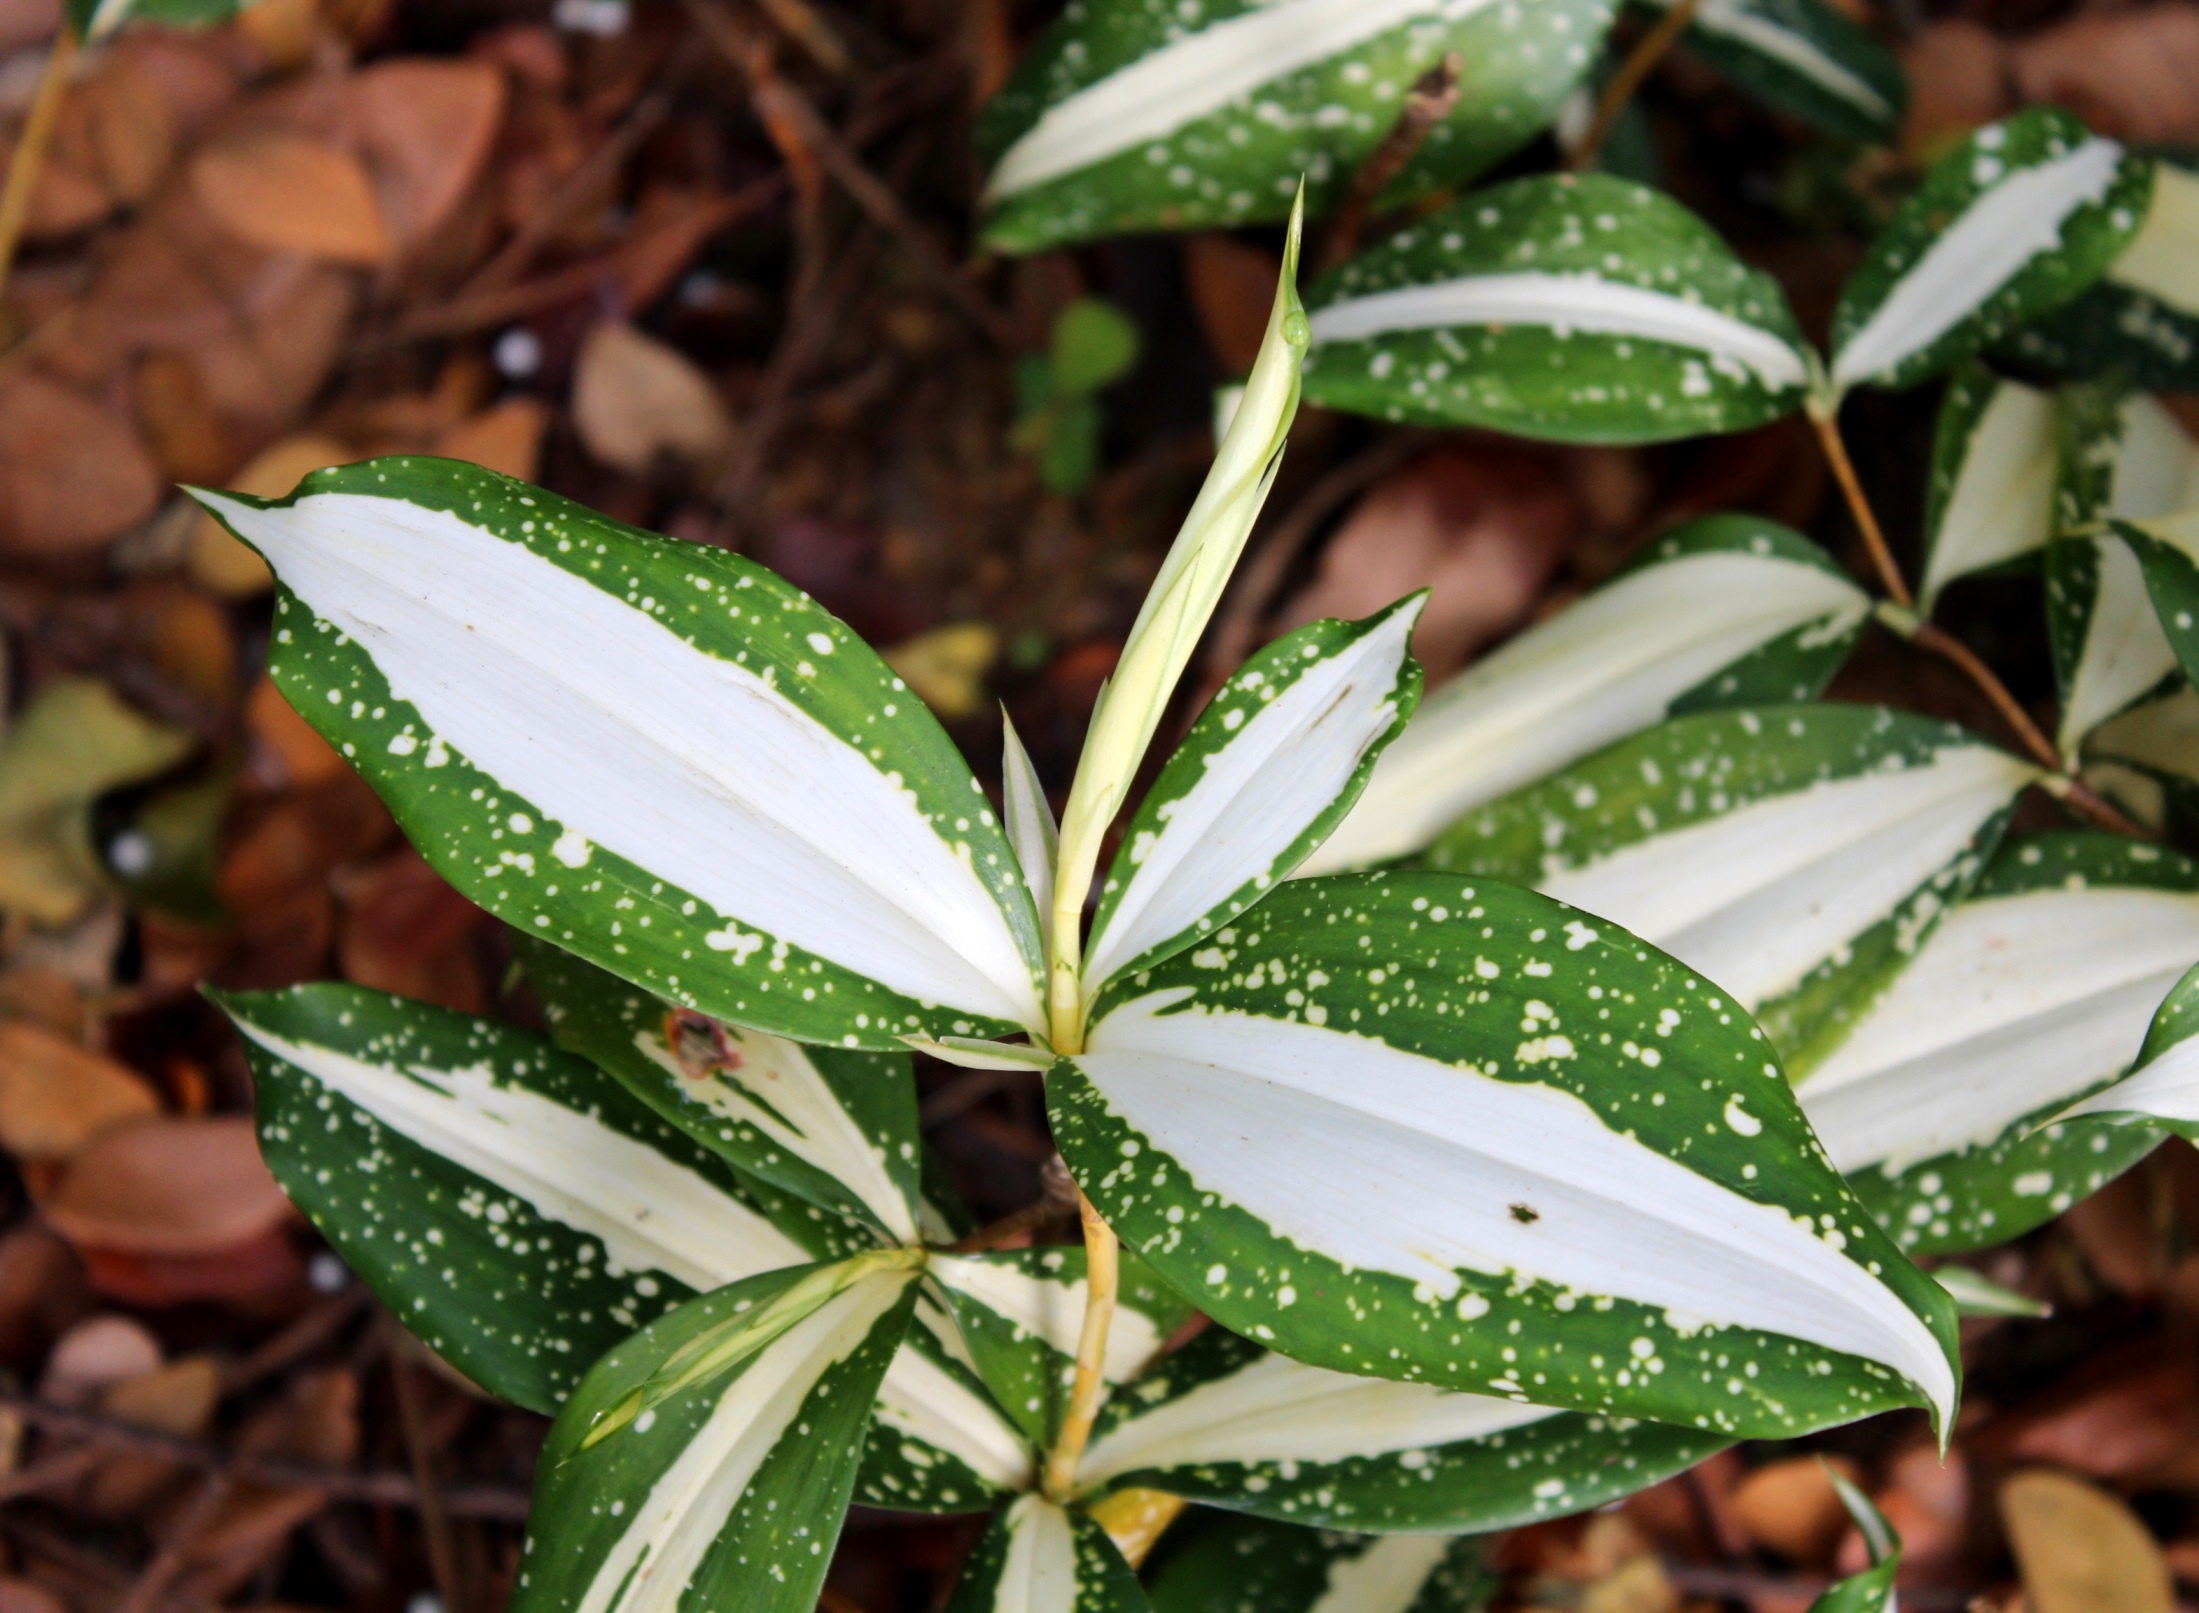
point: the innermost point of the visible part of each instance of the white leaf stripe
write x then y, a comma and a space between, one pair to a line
649, 1213
1257, 785
1751, 28
1995, 239
1566, 303
1998, 503
1037, 1558
1388, 1577
2122, 654
2162, 260
2165, 1086
704, 772
1200, 73
1605, 667
1422, 1161
928, 1404
1049, 1310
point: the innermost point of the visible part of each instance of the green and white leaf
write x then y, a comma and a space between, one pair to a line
1125, 117
1871, 1591
2033, 992
2124, 458
2016, 220
1795, 855
1232, 1564
1268, 770
2140, 321
1578, 308
1450, 1131
1728, 610
1977, 1295
1029, 816
707, 1462
1021, 1310
1228, 1423
1991, 495
511, 1203
2163, 1089
2149, 756
96, 19
835, 1127
939, 1442
1038, 1558
655, 754
2167, 551
1805, 58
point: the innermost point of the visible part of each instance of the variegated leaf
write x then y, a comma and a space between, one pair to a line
1795, 855
1229, 1564
1977, 1295
1129, 117
655, 754
1226, 1422
1269, 769
707, 1462
96, 19
1579, 308
1871, 1591
2123, 459
2016, 220
939, 1442
2031, 993
2139, 321
1021, 1310
1038, 1558
1991, 495
832, 1126
2148, 758
514, 1205
1729, 610
1450, 1131
2167, 552
2163, 1090
1806, 58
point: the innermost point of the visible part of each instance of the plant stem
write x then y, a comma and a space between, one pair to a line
1648, 51
1827, 426
30, 150
1427, 104
1102, 1270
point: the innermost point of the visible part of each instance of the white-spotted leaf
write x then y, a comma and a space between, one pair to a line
1039, 1558
1991, 495
2163, 1089
1227, 1564
1806, 58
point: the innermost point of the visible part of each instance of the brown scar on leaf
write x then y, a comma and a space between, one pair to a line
699, 1044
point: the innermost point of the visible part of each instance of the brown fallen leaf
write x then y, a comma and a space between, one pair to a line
2132, 75
260, 1270
1958, 81
217, 559
28, 1596
424, 130
285, 193
1481, 528
316, 1420
282, 30
1791, 1507
177, 1398
57, 1095
73, 472
28, 22
167, 1186
2081, 1550
2128, 1413
1928, 1503
403, 930
95, 1355
1232, 286
634, 398
287, 750
42, 1292
947, 666
506, 438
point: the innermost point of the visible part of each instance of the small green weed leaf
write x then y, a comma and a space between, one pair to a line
1021, 1310
1271, 766
1805, 58
2016, 220
510, 1202
1728, 610
1449, 1131
1127, 117
1991, 495
1796, 855
1094, 343
1227, 1564
1578, 308
1871, 1591
2140, 321
1039, 1558
2033, 992
1977, 1295
832, 1126
729, 1491
2124, 458
2162, 1090
655, 754
1228, 1423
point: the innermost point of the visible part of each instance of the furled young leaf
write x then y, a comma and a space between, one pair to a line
2031, 993
1130, 117
2123, 459
1871, 1591
1021, 1311
1991, 495
1806, 58
708, 1460
655, 754
1271, 766
1795, 855
832, 1126
2139, 321
2016, 220
511, 1203
1580, 308
1227, 1564
1226, 1422
1729, 610
1038, 1558
1451, 1131
2163, 1089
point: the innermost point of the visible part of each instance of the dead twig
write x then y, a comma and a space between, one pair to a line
175, 1549
1648, 51
1427, 104
29, 159
434, 1520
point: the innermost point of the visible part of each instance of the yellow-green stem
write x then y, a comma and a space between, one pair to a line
30, 151
1102, 1272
